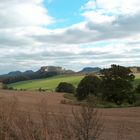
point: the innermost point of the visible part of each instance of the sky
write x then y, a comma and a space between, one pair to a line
68, 33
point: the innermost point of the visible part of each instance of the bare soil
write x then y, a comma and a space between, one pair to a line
125, 121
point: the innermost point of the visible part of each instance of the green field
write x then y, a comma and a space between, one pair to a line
137, 79
51, 83
48, 83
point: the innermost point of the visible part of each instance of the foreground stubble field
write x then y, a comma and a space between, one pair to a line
126, 120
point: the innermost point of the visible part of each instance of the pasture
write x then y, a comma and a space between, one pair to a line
48, 83
52, 82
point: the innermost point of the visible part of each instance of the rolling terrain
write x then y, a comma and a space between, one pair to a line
51, 83
48, 83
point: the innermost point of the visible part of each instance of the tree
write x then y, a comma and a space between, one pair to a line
65, 87
89, 85
117, 84
138, 88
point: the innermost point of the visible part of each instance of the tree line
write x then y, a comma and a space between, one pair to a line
114, 84
26, 76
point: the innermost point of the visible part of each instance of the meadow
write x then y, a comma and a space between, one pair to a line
52, 82
48, 83
137, 79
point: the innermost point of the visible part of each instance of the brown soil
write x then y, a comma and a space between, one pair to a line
115, 120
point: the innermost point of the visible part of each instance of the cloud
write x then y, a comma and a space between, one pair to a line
97, 27
16, 13
70, 56
91, 4
123, 5
109, 33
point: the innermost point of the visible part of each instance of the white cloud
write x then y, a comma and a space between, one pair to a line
98, 17
108, 34
121, 6
91, 4
16, 13
72, 56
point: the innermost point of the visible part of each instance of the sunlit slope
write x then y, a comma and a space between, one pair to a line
137, 79
48, 83
51, 83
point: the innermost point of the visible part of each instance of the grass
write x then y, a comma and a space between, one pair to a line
136, 82
51, 83
71, 99
48, 83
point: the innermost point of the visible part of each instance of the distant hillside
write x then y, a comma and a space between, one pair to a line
135, 69
28, 72
17, 73
43, 72
14, 73
90, 70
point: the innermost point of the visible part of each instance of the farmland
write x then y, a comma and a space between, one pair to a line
118, 122
48, 83
51, 83
124, 119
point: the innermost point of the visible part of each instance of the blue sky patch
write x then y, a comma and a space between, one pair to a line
65, 12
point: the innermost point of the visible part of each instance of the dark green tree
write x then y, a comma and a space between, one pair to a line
138, 88
89, 85
65, 87
117, 84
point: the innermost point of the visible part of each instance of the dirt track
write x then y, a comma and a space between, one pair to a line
123, 119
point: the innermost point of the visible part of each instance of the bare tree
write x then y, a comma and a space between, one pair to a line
81, 123
87, 123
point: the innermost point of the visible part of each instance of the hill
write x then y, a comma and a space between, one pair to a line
47, 83
43, 72
13, 73
52, 82
90, 70
49, 71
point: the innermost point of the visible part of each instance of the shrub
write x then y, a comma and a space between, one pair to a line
65, 87
90, 84
41, 90
11, 88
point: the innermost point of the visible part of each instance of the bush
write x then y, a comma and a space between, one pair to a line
89, 85
65, 87
41, 90
11, 88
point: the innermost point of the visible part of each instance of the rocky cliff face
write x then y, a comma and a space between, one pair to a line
51, 69
56, 69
